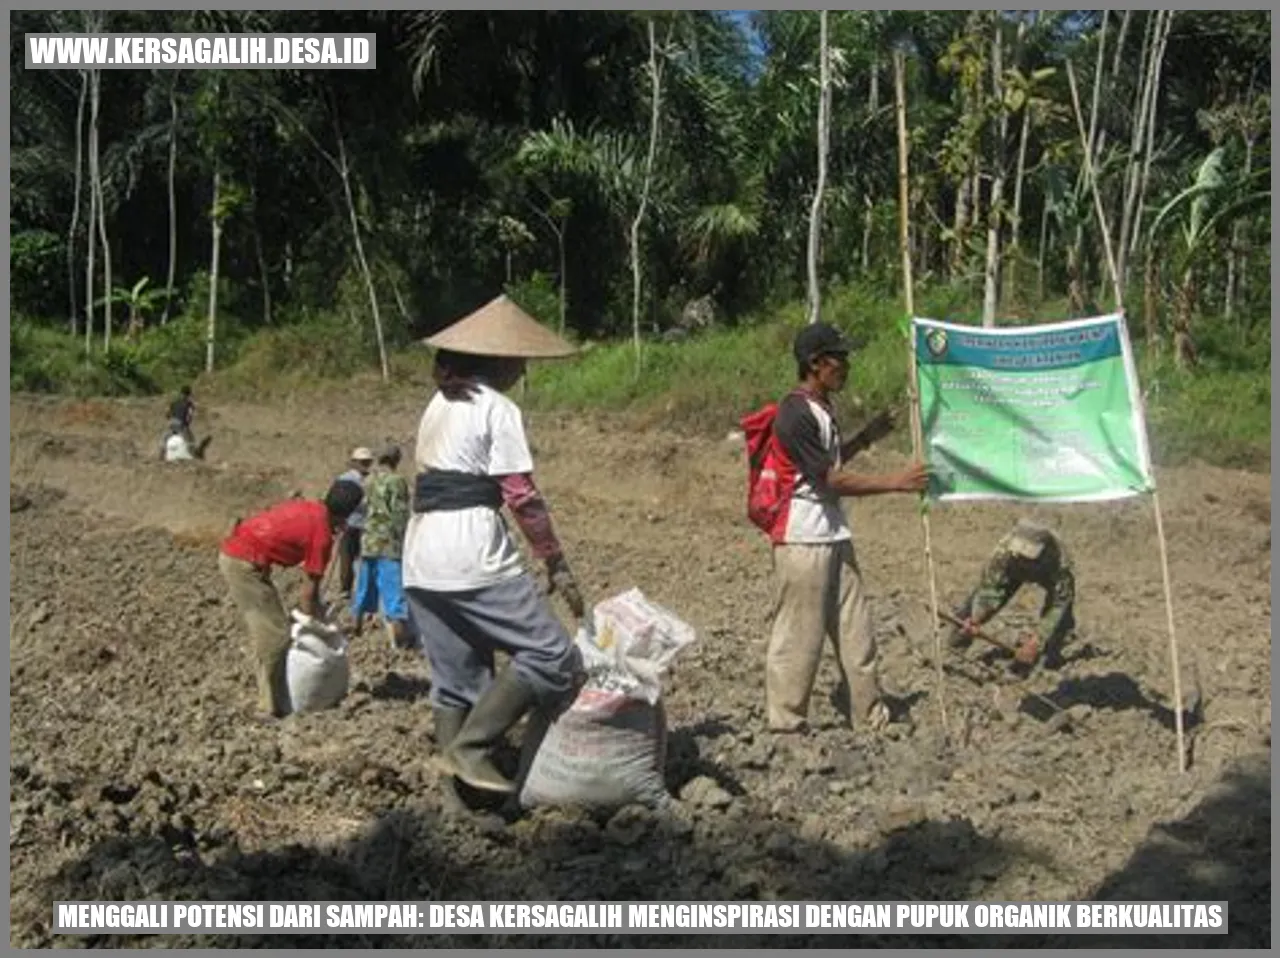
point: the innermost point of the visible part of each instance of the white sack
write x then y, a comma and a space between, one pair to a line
316, 667
608, 749
176, 449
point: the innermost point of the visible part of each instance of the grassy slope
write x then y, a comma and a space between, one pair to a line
1221, 413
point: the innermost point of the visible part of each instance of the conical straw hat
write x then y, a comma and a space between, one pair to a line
501, 328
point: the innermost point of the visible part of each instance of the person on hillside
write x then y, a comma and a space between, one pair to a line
820, 592
380, 582
295, 532
349, 544
178, 442
1029, 553
182, 413
468, 590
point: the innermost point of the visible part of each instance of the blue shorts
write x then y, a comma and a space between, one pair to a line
380, 579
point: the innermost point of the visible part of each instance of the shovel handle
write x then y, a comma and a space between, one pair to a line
976, 633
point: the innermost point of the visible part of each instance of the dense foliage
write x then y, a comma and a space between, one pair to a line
512, 149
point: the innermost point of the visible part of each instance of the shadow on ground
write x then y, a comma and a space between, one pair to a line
1219, 851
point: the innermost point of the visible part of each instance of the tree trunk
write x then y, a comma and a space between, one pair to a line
92, 239
1124, 29
1015, 226
399, 298
1151, 301
1162, 41
1183, 345
991, 274
1236, 254
1044, 235
564, 287
1075, 281
264, 275
824, 125
966, 183
1096, 140
1092, 180
960, 228
345, 172
904, 193
1141, 112
95, 101
215, 219
173, 200
655, 79
868, 210
868, 205
74, 231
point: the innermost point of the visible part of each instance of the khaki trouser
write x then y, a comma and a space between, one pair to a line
819, 594
259, 603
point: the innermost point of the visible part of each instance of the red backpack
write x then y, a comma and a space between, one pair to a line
771, 475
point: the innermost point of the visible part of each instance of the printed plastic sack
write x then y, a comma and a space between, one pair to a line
609, 748
316, 667
630, 644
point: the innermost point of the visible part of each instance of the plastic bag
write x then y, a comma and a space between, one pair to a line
317, 667
630, 644
608, 749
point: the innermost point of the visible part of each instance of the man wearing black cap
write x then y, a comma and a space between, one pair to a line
819, 585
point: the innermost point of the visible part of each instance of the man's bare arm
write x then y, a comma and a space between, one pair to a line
915, 478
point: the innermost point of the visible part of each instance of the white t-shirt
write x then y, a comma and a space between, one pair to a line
453, 551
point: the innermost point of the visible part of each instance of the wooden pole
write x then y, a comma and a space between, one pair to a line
1173, 641
1117, 291
917, 432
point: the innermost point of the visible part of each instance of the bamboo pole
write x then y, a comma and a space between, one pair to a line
917, 432
1173, 641
1097, 197
1155, 498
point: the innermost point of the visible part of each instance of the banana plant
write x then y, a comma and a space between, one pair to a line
139, 300
1214, 199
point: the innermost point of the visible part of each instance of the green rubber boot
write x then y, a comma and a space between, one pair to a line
469, 756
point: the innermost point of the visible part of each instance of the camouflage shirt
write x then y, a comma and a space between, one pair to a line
1028, 554
386, 502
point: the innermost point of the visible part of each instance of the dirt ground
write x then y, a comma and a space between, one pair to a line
135, 775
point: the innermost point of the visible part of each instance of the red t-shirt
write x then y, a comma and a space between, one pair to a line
293, 533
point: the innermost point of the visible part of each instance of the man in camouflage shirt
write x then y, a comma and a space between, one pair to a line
380, 581
1029, 553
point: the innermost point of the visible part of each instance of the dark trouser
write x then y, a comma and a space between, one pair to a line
460, 631
348, 556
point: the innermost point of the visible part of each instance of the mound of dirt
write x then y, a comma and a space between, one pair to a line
135, 773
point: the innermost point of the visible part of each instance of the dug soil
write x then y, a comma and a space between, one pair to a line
135, 773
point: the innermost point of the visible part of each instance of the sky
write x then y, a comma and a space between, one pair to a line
742, 18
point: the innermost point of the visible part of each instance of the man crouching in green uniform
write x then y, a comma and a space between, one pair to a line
1029, 553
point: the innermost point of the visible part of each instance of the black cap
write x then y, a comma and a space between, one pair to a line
822, 339
343, 498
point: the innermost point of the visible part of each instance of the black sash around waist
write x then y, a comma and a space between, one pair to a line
444, 490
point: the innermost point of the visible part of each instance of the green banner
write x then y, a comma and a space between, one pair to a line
1049, 413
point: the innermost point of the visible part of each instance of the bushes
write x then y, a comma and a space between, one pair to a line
1220, 412
37, 273
52, 361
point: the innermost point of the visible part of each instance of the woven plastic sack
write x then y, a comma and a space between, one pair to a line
609, 748
317, 667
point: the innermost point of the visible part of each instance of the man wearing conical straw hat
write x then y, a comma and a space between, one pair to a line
469, 592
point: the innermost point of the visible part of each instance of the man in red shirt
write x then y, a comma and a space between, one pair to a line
299, 532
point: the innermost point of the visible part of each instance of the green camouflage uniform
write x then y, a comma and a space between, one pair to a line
386, 514
1029, 553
